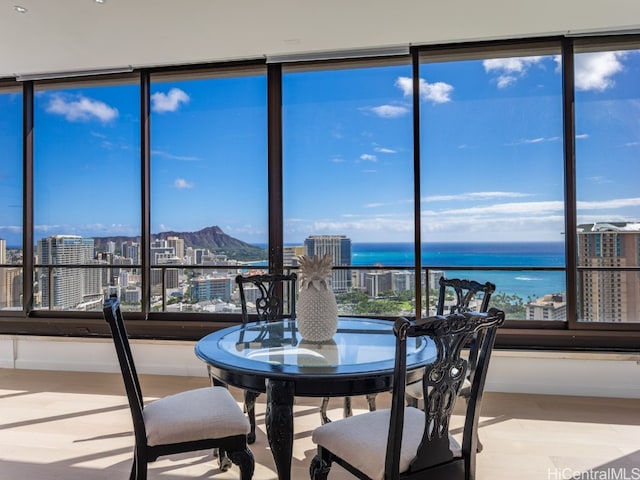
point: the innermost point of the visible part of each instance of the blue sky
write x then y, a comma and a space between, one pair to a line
491, 142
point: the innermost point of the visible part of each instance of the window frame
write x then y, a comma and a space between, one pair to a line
520, 334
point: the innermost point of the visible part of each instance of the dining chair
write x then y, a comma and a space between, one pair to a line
465, 294
404, 442
274, 297
188, 421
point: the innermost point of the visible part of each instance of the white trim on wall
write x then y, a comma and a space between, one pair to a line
558, 373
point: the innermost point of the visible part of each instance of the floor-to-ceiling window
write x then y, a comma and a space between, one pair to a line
348, 178
161, 186
492, 175
607, 113
209, 202
11, 194
86, 188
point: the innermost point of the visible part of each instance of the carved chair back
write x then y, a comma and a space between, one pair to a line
441, 384
465, 291
275, 296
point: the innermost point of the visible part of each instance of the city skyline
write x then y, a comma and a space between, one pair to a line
347, 153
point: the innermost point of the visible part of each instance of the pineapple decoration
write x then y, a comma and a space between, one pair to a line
317, 308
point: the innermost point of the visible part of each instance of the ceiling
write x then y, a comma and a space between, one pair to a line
71, 35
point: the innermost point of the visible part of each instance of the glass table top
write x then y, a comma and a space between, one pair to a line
358, 345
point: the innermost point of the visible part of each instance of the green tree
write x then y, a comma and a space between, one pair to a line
512, 305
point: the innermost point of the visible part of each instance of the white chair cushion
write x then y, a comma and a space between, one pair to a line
199, 414
361, 440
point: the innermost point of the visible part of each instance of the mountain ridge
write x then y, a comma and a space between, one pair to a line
211, 238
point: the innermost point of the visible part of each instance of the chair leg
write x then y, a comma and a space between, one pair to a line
323, 411
134, 470
224, 462
250, 407
412, 401
320, 465
371, 399
479, 444
138, 469
347, 411
244, 459
139, 466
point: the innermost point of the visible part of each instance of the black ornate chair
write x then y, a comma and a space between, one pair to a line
464, 292
275, 299
193, 420
405, 442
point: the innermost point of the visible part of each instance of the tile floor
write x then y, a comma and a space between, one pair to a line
69, 425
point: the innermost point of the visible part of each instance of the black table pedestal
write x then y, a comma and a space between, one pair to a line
279, 423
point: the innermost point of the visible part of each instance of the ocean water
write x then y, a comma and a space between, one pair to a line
524, 283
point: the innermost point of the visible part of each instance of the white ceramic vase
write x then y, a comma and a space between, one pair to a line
317, 309
317, 312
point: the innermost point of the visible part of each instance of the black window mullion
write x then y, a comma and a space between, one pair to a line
27, 195
274, 132
145, 159
415, 63
570, 214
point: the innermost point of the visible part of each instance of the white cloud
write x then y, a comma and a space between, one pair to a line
582, 136
509, 221
168, 102
384, 150
506, 80
528, 141
438, 92
90, 229
390, 111
509, 70
608, 204
512, 208
594, 71
170, 156
474, 196
358, 223
368, 157
181, 183
600, 180
510, 65
81, 108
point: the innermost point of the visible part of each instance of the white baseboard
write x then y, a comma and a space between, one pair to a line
156, 357
565, 373
557, 373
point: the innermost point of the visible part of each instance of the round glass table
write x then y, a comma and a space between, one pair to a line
273, 358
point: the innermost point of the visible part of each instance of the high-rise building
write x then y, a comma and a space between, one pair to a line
211, 288
376, 282
131, 250
339, 246
177, 244
3, 287
64, 287
609, 295
10, 287
552, 306
289, 254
